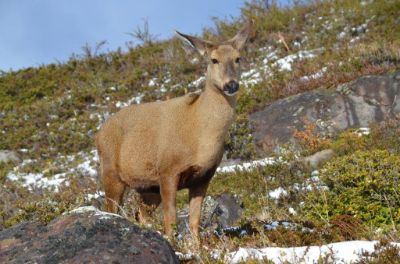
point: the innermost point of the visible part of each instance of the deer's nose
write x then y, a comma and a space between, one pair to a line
231, 88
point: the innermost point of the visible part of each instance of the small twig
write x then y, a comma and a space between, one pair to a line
282, 38
119, 207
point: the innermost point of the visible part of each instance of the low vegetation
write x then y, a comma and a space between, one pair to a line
49, 114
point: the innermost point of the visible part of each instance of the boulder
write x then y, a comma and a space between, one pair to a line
218, 212
228, 211
359, 103
86, 235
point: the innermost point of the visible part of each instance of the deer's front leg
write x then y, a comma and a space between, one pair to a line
168, 189
196, 196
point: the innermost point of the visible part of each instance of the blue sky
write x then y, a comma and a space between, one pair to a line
35, 32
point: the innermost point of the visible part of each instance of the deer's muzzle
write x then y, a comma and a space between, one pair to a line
231, 88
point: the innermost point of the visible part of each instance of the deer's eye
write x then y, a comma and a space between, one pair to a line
237, 60
214, 61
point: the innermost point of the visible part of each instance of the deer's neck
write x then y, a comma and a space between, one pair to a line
215, 109
214, 115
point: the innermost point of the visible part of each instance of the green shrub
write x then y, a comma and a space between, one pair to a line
364, 184
348, 142
385, 135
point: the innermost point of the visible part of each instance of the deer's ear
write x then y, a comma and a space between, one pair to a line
247, 32
200, 45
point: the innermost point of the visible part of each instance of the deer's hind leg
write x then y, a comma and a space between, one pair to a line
113, 186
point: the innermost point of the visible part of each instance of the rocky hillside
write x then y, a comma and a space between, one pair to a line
321, 76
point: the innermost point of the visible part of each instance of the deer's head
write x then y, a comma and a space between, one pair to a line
223, 59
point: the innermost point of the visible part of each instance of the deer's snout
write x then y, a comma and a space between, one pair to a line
231, 88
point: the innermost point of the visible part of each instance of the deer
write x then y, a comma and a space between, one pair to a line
158, 148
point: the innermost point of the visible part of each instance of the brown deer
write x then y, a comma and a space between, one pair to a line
159, 148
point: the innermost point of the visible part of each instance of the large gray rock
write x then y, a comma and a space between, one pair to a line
218, 212
366, 100
85, 236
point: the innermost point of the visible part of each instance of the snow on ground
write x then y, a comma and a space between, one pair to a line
97, 212
285, 63
251, 77
262, 70
83, 163
37, 180
152, 82
101, 118
247, 165
87, 168
287, 225
341, 252
313, 183
136, 99
198, 82
277, 193
95, 195
363, 131
316, 75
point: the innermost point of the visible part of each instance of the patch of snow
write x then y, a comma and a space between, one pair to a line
258, 72
249, 73
341, 252
95, 195
285, 63
247, 165
86, 168
363, 131
152, 82
198, 82
53, 117
27, 162
136, 99
354, 39
82, 209
185, 256
271, 56
316, 75
359, 29
250, 77
100, 117
314, 183
277, 193
194, 60
120, 104
163, 89
287, 225
292, 211
97, 212
37, 180
341, 35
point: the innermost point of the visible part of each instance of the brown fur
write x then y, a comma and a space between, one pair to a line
161, 147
